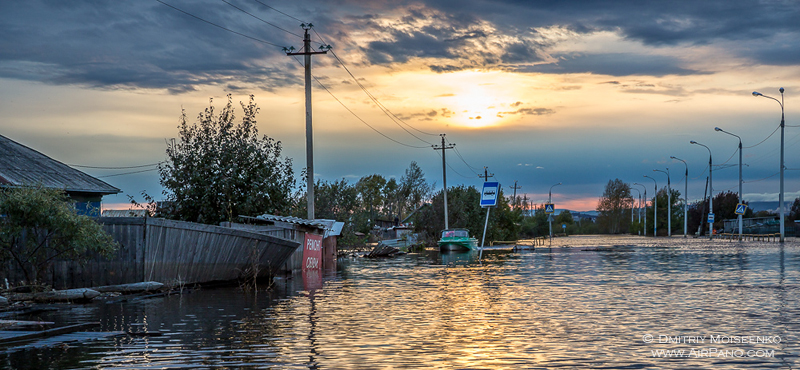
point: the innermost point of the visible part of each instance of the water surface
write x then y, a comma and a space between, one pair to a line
588, 302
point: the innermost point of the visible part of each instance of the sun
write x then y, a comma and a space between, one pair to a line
478, 100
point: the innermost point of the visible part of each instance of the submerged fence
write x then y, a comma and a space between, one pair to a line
171, 252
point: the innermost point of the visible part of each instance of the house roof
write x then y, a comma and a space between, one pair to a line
20, 165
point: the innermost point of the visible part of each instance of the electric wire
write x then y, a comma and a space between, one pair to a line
115, 168
770, 176
127, 173
254, 16
221, 27
762, 141
355, 115
451, 167
380, 105
297, 19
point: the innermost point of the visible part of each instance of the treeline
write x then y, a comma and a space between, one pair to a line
617, 204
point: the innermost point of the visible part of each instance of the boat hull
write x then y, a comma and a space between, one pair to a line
449, 246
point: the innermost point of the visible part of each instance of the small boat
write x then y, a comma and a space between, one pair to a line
457, 240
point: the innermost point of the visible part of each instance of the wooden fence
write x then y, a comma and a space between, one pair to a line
172, 252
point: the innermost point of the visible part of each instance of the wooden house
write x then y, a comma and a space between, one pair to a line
21, 165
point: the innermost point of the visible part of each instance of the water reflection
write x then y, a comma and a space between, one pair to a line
585, 302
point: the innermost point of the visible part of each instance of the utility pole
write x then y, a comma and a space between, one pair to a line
444, 148
307, 52
515, 187
486, 174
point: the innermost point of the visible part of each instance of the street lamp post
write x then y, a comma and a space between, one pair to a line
711, 190
685, 197
550, 201
655, 206
669, 203
633, 201
645, 207
740, 175
780, 196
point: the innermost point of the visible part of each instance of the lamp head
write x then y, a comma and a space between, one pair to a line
717, 129
781, 90
756, 93
692, 142
671, 157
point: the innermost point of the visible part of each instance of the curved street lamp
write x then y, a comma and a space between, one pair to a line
780, 197
711, 190
645, 207
669, 203
655, 206
740, 174
685, 197
633, 202
550, 201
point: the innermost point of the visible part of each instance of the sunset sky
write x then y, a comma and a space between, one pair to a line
540, 92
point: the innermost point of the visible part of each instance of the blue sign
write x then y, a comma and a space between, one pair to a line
563, 226
489, 194
549, 208
710, 217
740, 208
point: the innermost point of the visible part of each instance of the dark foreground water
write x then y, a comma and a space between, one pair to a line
635, 303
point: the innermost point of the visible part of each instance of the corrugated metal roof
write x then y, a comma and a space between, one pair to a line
20, 165
331, 227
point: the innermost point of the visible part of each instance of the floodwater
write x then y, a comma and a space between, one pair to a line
588, 302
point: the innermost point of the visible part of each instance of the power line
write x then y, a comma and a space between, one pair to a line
248, 13
115, 168
773, 175
380, 105
299, 20
221, 27
762, 141
126, 173
359, 118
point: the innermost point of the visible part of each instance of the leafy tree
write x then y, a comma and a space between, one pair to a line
677, 210
464, 211
219, 169
414, 189
41, 225
536, 225
794, 211
370, 193
615, 201
564, 217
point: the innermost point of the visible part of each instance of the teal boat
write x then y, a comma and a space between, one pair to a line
457, 240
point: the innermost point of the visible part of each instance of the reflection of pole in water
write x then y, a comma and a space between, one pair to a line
312, 332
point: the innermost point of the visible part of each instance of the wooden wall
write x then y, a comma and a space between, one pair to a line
171, 252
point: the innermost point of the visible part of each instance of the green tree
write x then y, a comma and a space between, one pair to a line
794, 212
218, 169
370, 194
414, 189
615, 201
41, 225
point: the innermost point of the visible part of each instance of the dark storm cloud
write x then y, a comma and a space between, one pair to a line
129, 45
144, 44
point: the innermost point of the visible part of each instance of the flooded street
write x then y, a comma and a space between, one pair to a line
588, 302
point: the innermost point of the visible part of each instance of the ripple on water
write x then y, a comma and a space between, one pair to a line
585, 302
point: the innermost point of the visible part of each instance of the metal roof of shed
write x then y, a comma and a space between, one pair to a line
21, 165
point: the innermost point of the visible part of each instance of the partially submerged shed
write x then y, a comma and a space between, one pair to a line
295, 228
21, 166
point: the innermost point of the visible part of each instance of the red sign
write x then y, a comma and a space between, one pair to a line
312, 252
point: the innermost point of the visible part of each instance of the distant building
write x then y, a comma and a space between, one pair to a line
20, 166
